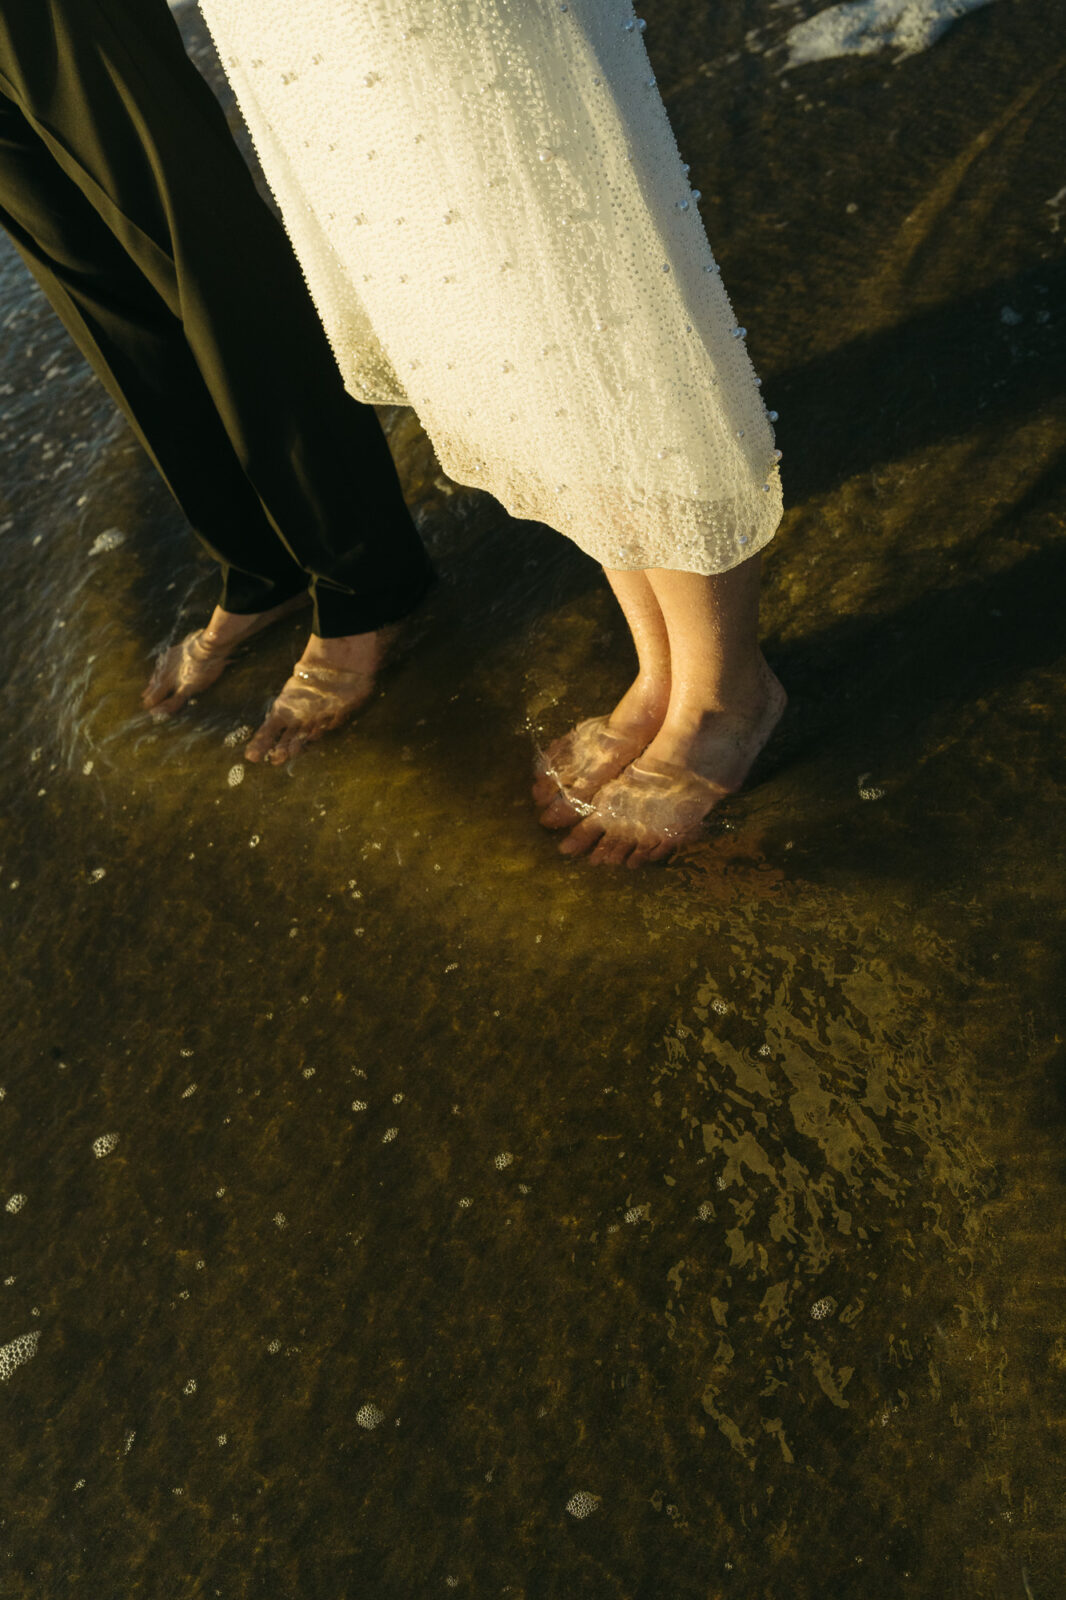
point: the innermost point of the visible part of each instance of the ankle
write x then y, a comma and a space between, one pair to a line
643, 706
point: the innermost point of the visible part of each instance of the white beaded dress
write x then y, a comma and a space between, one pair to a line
496, 228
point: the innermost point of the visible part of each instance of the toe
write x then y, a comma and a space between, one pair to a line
612, 850
166, 708
559, 813
544, 789
651, 849
582, 838
160, 685
267, 737
291, 743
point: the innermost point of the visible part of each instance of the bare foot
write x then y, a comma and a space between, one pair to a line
200, 659
661, 800
576, 766
331, 680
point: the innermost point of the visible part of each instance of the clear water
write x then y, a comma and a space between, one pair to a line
396, 1209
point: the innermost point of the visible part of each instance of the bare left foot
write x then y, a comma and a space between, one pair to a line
575, 767
661, 800
331, 680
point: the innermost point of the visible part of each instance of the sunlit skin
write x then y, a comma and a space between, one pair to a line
686, 732
630, 786
331, 680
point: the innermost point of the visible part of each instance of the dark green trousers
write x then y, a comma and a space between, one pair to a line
124, 192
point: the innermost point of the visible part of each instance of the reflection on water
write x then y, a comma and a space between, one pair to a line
393, 1208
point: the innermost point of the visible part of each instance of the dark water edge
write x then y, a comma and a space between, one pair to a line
730, 1195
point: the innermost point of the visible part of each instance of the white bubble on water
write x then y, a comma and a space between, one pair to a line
369, 1415
15, 1203
97, 873
358, 1105
35, 755
235, 775
397, 1098
190, 1387
465, 1202
87, 767
274, 1346
720, 1005
504, 1159
18, 1351
239, 735
637, 1213
187, 1094
281, 1219
104, 1145
308, 1072
389, 1135
871, 794
223, 1438
185, 1052
127, 1443
823, 1308
705, 1211
79, 1485
582, 1504
254, 840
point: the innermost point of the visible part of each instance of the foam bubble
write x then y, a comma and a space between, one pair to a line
15, 1203
104, 1145
110, 539
369, 1416
582, 1504
16, 1353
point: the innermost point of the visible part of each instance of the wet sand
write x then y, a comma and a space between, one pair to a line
394, 1208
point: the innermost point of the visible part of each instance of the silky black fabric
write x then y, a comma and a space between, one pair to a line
124, 192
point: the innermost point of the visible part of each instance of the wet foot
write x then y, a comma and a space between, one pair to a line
661, 799
331, 680
199, 660
576, 766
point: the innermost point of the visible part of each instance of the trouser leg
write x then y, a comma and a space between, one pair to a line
109, 89
138, 349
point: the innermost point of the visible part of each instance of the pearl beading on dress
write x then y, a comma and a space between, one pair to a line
460, 178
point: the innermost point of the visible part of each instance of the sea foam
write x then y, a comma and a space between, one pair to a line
862, 27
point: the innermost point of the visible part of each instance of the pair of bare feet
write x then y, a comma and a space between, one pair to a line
633, 786
630, 787
332, 678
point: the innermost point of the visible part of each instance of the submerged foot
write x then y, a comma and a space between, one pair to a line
573, 768
331, 680
199, 660
661, 799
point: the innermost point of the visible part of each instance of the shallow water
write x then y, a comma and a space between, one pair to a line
394, 1208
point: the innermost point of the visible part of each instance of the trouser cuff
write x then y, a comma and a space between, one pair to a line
338, 613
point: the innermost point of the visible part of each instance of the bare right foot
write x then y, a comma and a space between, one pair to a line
575, 766
199, 660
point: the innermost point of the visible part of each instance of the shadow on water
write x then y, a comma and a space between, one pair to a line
394, 1209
